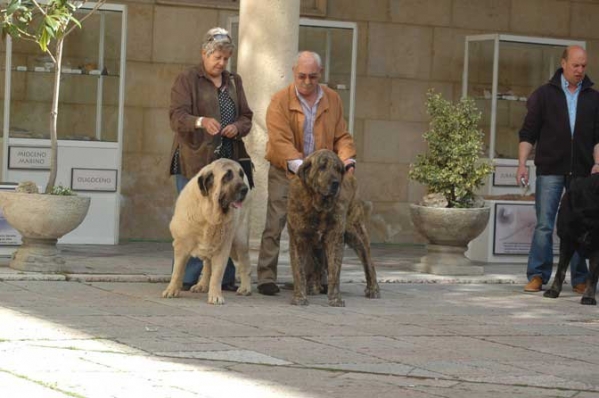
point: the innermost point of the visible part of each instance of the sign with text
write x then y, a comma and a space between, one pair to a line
103, 180
514, 226
29, 157
505, 176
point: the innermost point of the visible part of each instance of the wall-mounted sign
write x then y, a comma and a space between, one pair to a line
103, 180
29, 157
505, 176
514, 226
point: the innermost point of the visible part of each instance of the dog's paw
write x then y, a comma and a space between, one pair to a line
299, 301
171, 292
337, 302
373, 292
244, 290
199, 288
551, 293
588, 301
216, 299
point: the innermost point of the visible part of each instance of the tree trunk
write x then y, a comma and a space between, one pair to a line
54, 117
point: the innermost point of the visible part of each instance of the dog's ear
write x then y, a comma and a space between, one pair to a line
205, 182
302, 171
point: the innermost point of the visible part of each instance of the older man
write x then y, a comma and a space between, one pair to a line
562, 122
302, 118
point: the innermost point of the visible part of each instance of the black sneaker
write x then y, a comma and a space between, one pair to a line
186, 287
268, 289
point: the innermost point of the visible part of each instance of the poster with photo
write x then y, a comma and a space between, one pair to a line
514, 227
8, 235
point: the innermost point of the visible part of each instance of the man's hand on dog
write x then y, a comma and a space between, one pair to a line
350, 166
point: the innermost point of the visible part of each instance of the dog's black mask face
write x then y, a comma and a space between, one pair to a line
322, 172
223, 181
233, 189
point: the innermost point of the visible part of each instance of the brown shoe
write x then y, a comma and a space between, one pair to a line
580, 288
534, 285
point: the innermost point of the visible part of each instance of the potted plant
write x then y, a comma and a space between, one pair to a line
451, 214
42, 219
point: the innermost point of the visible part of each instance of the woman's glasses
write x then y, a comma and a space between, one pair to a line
219, 37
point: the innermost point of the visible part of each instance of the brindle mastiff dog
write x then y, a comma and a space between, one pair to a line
578, 230
211, 222
323, 214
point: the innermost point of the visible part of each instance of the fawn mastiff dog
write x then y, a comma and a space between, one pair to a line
578, 230
211, 222
324, 214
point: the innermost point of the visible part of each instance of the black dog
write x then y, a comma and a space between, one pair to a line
578, 230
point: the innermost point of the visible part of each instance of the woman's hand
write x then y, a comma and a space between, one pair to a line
212, 126
230, 131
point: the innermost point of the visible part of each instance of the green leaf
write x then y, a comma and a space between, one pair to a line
452, 165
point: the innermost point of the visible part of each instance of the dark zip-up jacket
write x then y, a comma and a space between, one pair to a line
547, 125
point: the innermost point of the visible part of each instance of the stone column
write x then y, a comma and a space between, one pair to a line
268, 40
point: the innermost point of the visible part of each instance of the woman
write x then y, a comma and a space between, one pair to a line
209, 115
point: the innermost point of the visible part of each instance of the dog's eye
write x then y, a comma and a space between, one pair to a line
228, 176
241, 173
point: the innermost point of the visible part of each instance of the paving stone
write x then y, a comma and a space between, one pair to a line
111, 334
19, 387
244, 356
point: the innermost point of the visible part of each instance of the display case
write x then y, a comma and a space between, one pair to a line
90, 117
500, 72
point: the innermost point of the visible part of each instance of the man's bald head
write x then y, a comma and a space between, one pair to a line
574, 64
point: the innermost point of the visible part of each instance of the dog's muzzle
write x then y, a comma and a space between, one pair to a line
241, 195
333, 188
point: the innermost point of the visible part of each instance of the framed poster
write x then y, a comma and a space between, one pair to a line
8, 235
29, 157
505, 176
514, 227
102, 180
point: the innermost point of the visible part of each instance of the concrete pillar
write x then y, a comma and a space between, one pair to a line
268, 40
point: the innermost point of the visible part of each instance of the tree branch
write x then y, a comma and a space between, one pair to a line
99, 4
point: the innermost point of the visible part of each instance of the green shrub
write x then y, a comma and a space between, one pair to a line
452, 166
60, 190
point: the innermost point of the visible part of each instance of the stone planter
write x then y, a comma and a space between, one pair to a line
41, 220
449, 230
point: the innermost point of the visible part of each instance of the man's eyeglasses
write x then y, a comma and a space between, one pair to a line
311, 76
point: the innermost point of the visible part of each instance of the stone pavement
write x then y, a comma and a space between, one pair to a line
104, 331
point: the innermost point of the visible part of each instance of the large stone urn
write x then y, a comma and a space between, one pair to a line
448, 230
41, 220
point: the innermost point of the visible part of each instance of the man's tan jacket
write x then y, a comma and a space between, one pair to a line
285, 125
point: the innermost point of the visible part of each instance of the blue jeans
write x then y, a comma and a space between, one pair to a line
194, 266
540, 260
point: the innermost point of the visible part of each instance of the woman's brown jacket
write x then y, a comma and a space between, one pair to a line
193, 95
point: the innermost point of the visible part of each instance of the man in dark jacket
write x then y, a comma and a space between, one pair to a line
562, 123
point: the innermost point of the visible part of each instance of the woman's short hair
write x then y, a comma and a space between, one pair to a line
217, 39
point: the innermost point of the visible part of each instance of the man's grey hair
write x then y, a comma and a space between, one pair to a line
312, 53
217, 39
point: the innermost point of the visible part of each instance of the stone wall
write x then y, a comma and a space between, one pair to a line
405, 47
